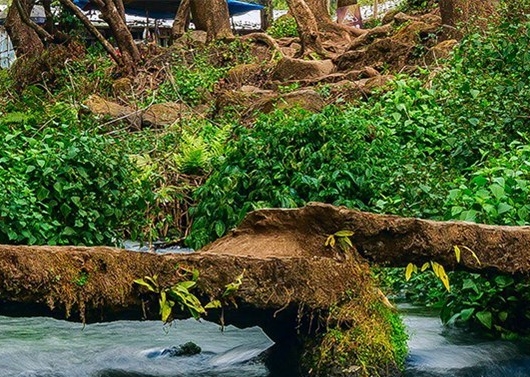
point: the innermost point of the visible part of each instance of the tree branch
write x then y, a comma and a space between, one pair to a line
92, 30
24, 16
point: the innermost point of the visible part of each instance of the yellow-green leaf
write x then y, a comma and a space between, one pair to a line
473, 254
457, 253
443, 277
435, 266
409, 270
343, 233
425, 266
347, 241
214, 304
330, 241
143, 283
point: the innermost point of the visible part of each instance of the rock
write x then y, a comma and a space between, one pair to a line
297, 69
376, 83
441, 51
243, 73
100, 107
401, 18
307, 99
394, 53
431, 18
191, 38
415, 32
346, 91
186, 349
165, 114
389, 16
370, 72
254, 89
122, 87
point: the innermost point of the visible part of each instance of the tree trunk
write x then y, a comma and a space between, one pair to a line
26, 41
266, 14
212, 16
307, 28
92, 30
182, 20
463, 16
130, 55
50, 24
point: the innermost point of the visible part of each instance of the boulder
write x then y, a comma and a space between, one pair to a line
243, 73
307, 99
100, 107
298, 69
122, 87
165, 114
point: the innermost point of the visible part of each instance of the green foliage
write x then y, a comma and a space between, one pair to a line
195, 73
173, 162
284, 26
342, 239
63, 185
492, 303
180, 295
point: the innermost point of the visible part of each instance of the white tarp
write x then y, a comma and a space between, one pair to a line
7, 54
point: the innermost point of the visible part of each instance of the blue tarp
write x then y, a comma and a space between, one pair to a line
166, 9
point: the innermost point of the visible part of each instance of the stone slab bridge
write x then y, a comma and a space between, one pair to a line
292, 283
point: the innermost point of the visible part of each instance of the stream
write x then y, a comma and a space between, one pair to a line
45, 347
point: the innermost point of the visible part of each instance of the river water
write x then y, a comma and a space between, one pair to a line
436, 351
45, 347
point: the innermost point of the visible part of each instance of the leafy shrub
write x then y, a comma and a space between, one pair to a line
284, 26
492, 303
62, 185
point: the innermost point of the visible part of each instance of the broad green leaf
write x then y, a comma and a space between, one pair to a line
465, 314
187, 284
503, 208
503, 316
497, 190
485, 318
504, 281
219, 228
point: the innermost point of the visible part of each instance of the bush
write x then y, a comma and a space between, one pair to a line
63, 185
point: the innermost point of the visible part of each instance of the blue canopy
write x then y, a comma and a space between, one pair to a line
166, 9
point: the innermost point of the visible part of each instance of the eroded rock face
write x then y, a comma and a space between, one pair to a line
298, 69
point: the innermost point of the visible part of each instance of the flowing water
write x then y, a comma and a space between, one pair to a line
45, 347
436, 351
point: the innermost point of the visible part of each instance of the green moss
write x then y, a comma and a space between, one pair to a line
363, 337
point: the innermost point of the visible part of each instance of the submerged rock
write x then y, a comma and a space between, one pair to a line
186, 349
